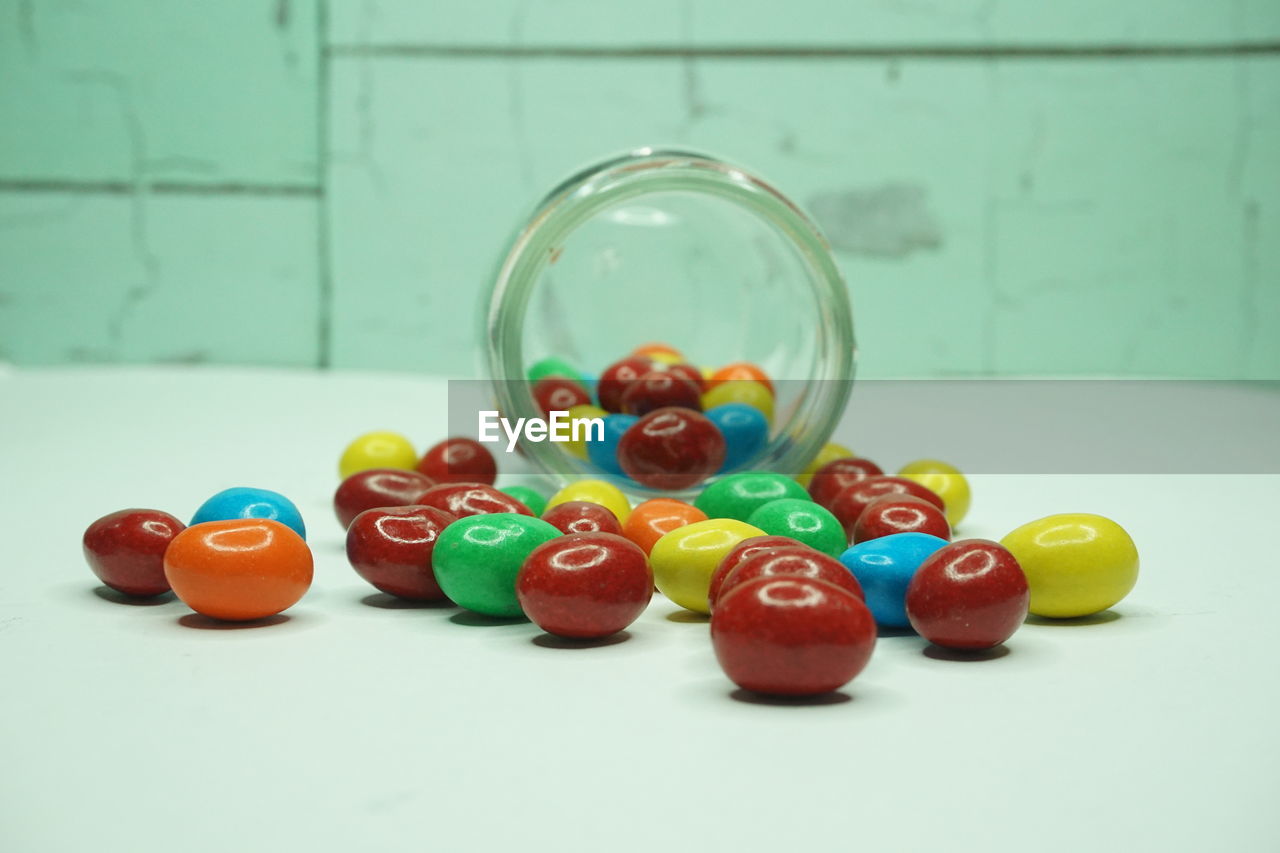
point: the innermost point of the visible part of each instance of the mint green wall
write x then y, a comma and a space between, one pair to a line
1015, 187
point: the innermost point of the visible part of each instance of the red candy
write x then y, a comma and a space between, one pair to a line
685, 371
615, 378
582, 517
837, 475
671, 449
791, 636
659, 389
851, 501
464, 499
895, 513
459, 460
126, 550
391, 548
740, 552
585, 585
968, 595
377, 487
558, 394
793, 561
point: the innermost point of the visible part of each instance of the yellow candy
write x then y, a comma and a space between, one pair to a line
1075, 563
665, 357
945, 481
684, 559
740, 391
607, 495
377, 450
828, 453
707, 372
578, 413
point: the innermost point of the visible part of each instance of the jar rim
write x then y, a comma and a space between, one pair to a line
576, 199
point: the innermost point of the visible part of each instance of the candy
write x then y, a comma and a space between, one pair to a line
615, 378
244, 502
968, 595
792, 636
585, 435
894, 513
653, 519
558, 394
666, 358
477, 559
660, 389
607, 495
945, 481
463, 500
740, 370
391, 548
125, 549
671, 449
849, 503
239, 569
740, 391
839, 474
377, 487
804, 521
585, 585
582, 517
828, 453
459, 460
684, 560
531, 498
654, 348
551, 367
738, 554
377, 450
686, 371
745, 430
739, 495
791, 561
884, 568
604, 453
1076, 563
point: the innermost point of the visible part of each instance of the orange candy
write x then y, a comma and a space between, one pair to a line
238, 570
655, 518
656, 349
740, 370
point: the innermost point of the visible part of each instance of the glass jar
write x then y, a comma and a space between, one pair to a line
690, 250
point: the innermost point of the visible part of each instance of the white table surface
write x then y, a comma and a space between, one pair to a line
354, 725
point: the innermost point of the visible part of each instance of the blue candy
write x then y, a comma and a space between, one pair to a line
604, 454
884, 568
243, 502
745, 430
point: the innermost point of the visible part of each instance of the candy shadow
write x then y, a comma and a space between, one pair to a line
1100, 618
386, 601
106, 593
750, 697
960, 655
478, 620
205, 623
688, 617
551, 641
883, 631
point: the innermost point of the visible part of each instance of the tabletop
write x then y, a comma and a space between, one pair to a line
358, 722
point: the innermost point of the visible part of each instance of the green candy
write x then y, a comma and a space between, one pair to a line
553, 367
739, 495
477, 558
803, 521
535, 501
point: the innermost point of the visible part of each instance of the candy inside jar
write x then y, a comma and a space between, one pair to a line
691, 314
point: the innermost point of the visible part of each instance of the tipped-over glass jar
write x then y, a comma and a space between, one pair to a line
690, 250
